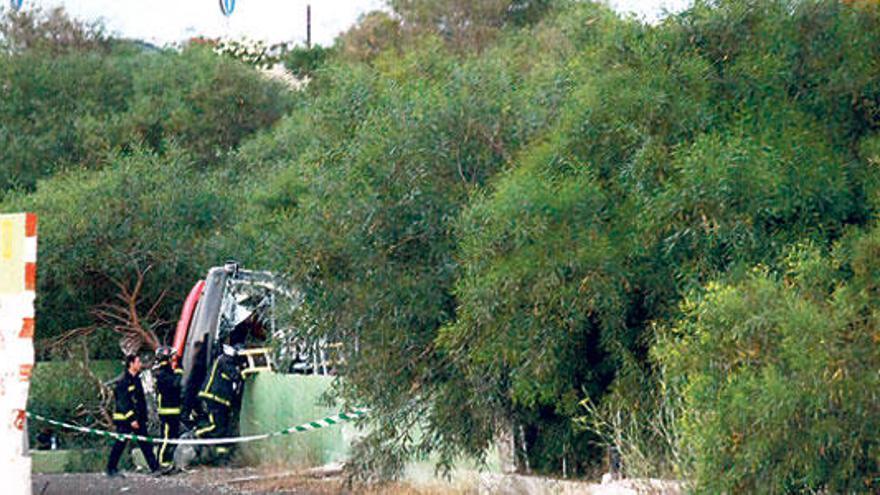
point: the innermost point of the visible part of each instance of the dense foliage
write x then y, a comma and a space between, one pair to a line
776, 371
507, 210
124, 146
71, 104
60, 388
141, 215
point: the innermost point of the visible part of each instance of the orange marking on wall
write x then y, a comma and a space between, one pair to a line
30, 276
30, 225
25, 371
18, 419
27, 328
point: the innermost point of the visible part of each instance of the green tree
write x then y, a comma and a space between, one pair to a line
142, 216
303, 62
362, 213
203, 102
50, 99
375, 32
773, 372
76, 109
468, 24
51, 32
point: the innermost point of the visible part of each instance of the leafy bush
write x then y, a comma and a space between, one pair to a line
63, 391
540, 304
55, 112
141, 215
774, 378
500, 232
202, 102
404, 143
375, 33
303, 62
497, 206
736, 196
74, 106
50, 31
467, 25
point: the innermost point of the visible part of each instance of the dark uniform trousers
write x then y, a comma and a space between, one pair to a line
170, 431
168, 402
218, 424
216, 394
119, 446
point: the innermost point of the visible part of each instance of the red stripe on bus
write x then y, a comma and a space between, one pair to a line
186, 315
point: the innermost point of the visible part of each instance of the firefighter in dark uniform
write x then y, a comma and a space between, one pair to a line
168, 403
217, 393
130, 415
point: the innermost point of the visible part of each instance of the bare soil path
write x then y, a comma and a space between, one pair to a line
200, 482
210, 481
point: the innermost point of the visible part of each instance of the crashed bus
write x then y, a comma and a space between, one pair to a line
238, 308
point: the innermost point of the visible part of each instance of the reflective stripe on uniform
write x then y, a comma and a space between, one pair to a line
221, 400
131, 388
117, 416
167, 411
163, 447
211, 378
209, 428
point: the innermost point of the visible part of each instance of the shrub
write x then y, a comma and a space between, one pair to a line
64, 391
303, 62
76, 108
141, 215
774, 381
202, 102
55, 112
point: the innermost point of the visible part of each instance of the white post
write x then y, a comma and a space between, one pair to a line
18, 272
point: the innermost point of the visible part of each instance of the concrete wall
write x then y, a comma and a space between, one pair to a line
70, 461
273, 402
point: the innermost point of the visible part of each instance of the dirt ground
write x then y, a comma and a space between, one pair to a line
208, 481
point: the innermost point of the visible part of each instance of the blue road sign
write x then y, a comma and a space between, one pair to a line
16, 4
226, 6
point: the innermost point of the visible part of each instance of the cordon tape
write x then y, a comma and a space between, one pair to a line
311, 425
